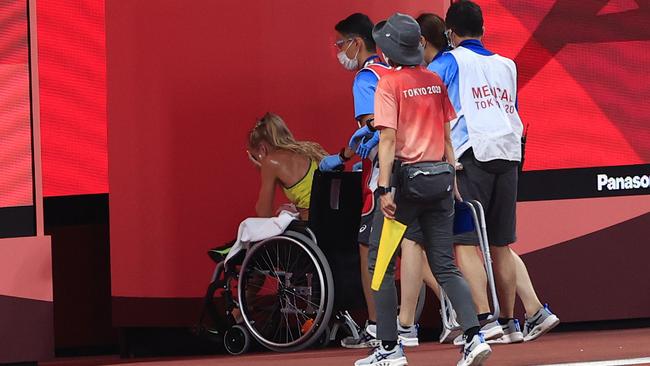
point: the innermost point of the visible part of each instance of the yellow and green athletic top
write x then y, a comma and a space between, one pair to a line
300, 192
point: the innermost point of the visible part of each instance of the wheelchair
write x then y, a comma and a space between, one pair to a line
290, 289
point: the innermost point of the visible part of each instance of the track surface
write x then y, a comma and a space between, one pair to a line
558, 348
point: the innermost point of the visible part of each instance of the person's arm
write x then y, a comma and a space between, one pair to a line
449, 114
386, 160
363, 91
450, 157
264, 205
449, 147
386, 122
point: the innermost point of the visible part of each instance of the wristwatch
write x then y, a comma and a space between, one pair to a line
383, 190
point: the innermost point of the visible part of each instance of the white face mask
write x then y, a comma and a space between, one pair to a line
348, 63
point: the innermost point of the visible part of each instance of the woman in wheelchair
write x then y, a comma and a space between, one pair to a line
279, 289
282, 161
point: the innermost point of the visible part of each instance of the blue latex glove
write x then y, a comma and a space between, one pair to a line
357, 167
358, 136
330, 163
364, 149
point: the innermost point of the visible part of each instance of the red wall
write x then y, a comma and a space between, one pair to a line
72, 74
185, 84
15, 129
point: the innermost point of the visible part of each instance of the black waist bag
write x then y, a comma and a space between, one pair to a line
426, 182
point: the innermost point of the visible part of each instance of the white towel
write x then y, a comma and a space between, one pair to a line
255, 229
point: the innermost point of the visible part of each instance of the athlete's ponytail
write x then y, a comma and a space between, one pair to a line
272, 130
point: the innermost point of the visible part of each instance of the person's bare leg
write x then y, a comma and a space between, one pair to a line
525, 290
505, 276
471, 265
410, 280
365, 282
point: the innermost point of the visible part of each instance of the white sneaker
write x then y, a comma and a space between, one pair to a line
490, 331
408, 336
511, 333
382, 357
475, 352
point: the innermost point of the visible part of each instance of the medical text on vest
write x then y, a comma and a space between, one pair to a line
490, 97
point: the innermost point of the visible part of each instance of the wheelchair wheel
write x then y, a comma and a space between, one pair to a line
286, 293
237, 340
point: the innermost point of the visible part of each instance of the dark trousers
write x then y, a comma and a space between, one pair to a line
436, 221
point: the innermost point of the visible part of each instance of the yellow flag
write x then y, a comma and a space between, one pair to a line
391, 236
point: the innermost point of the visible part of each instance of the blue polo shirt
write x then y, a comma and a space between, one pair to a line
446, 67
363, 90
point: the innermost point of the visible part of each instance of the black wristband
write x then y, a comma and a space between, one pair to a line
383, 190
369, 122
342, 155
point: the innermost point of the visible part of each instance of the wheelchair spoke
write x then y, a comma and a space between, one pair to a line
296, 312
289, 258
270, 264
317, 306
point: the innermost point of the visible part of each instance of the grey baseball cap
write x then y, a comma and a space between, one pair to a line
399, 39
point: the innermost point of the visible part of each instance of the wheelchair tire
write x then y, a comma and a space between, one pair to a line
237, 340
286, 292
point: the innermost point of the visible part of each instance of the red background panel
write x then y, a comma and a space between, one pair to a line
184, 88
15, 126
72, 72
581, 78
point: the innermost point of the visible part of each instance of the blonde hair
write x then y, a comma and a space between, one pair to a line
272, 130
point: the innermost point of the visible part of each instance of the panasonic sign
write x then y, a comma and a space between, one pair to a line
607, 183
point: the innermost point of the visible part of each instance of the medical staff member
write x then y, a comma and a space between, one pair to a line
412, 111
487, 141
357, 53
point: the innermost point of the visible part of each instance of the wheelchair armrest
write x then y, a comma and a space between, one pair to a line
299, 226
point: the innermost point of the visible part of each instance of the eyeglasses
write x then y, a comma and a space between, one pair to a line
340, 43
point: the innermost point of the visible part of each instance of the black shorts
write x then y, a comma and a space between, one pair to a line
365, 226
494, 184
414, 233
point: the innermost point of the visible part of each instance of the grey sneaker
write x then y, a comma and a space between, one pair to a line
381, 357
490, 331
540, 323
475, 352
511, 333
365, 340
408, 336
